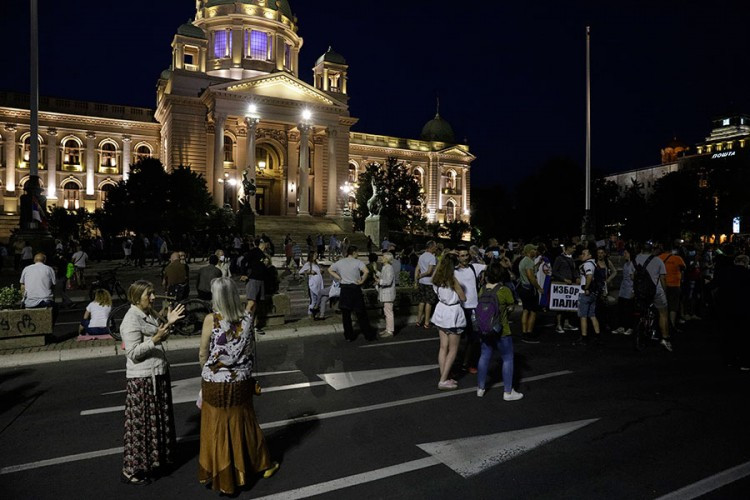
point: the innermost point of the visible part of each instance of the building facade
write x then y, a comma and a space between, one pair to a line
727, 145
232, 104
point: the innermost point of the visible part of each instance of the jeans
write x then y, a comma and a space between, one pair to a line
505, 346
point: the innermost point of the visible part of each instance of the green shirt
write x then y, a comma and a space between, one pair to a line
526, 263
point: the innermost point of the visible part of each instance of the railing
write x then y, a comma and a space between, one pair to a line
453, 191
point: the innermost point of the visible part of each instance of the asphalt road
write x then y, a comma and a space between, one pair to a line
365, 420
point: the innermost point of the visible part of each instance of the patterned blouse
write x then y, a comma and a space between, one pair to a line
231, 351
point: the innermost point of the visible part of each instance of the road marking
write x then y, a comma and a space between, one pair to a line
195, 363
467, 457
710, 484
386, 344
345, 380
393, 404
282, 423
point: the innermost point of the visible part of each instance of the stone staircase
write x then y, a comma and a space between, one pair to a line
277, 227
8, 222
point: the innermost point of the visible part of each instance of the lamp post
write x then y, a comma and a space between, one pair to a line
252, 119
346, 189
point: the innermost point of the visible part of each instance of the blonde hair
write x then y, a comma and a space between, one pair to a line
103, 298
226, 299
136, 291
387, 258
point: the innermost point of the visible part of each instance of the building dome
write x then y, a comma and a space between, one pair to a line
280, 5
331, 56
166, 74
438, 130
191, 30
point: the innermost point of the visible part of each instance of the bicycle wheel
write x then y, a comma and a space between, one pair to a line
115, 320
195, 312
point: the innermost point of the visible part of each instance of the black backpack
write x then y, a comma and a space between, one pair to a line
644, 287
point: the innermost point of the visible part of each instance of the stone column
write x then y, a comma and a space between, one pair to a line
304, 168
126, 153
90, 162
326, 81
10, 157
333, 188
220, 119
52, 164
252, 128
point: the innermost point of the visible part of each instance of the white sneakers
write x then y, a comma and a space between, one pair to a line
618, 331
629, 331
559, 329
508, 396
512, 395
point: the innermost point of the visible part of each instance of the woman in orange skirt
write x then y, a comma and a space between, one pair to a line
232, 446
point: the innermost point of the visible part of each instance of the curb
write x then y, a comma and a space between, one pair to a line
179, 344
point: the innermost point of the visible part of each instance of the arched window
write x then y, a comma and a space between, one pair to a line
266, 158
108, 156
142, 152
26, 151
449, 182
104, 192
419, 175
450, 211
228, 149
352, 173
71, 153
71, 195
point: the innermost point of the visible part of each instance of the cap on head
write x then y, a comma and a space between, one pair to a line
529, 248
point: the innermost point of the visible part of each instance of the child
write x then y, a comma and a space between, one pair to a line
94, 324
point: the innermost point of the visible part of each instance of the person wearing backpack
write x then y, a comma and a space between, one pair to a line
494, 305
652, 290
587, 297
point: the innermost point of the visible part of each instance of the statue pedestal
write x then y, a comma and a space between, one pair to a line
376, 228
246, 220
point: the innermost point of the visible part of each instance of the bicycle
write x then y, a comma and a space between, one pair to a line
107, 280
191, 324
647, 326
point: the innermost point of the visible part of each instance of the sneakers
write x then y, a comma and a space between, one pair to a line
570, 327
629, 331
512, 395
559, 329
618, 331
581, 340
480, 393
666, 344
448, 385
384, 335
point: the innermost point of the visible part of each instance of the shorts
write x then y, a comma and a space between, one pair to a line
529, 298
427, 294
586, 306
673, 298
255, 290
660, 299
451, 331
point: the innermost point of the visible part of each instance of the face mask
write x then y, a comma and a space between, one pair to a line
221, 259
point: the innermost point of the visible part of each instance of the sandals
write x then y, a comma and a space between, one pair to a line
133, 479
419, 324
271, 470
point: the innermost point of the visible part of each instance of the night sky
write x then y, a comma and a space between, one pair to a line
510, 75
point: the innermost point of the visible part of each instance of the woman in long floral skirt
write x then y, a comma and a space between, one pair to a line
149, 417
232, 446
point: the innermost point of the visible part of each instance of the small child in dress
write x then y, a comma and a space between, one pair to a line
94, 324
449, 317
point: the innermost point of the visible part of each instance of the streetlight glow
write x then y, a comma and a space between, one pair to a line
252, 109
306, 114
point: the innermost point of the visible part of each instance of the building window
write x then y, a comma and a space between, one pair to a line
71, 195
450, 211
352, 173
104, 193
222, 44
108, 156
419, 176
190, 58
266, 158
288, 56
257, 44
142, 152
228, 149
26, 152
71, 153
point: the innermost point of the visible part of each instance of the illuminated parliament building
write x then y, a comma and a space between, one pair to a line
231, 99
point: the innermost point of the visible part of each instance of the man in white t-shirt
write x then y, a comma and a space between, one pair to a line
38, 285
79, 259
351, 273
469, 275
423, 278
